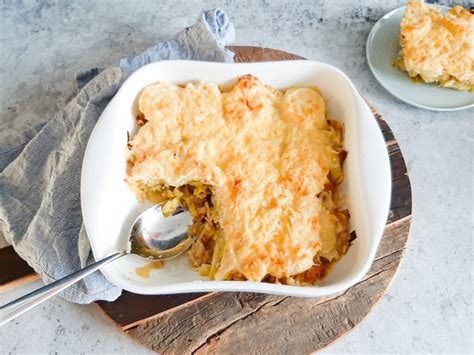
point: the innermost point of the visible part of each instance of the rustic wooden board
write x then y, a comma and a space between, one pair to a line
248, 323
14, 271
131, 309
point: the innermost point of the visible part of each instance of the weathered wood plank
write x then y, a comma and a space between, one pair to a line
14, 271
130, 309
297, 326
228, 322
395, 237
249, 54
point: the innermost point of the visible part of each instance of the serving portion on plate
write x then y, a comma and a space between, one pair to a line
424, 54
257, 162
438, 48
259, 170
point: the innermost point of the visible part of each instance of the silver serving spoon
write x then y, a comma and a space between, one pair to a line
152, 236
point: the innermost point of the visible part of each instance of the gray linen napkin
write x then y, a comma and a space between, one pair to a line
40, 212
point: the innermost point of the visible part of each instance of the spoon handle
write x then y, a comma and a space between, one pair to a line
34, 298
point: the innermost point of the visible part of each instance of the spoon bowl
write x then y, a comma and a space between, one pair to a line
152, 236
155, 236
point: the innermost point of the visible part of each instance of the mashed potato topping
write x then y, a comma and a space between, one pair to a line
438, 48
257, 168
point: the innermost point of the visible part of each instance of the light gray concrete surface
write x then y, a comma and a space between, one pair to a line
428, 308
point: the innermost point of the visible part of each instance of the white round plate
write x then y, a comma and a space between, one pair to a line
383, 48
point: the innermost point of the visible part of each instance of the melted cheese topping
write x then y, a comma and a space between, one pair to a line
266, 153
438, 48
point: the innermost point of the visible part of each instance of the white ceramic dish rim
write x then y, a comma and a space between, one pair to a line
380, 78
209, 286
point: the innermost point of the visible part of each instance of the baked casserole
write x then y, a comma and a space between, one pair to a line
258, 169
438, 48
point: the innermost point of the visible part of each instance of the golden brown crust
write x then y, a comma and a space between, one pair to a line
438, 48
262, 159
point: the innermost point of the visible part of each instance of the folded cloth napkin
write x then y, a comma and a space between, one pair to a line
40, 211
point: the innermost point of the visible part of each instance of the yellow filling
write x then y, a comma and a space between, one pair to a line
437, 48
258, 169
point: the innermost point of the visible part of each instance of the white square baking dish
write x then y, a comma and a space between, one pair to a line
109, 207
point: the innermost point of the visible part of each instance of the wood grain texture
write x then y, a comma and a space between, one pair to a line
248, 54
14, 271
248, 323
228, 323
130, 309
